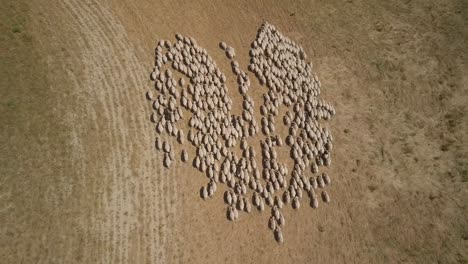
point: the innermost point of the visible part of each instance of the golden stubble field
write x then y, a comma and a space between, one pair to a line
80, 181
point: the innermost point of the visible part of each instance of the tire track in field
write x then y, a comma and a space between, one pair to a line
129, 210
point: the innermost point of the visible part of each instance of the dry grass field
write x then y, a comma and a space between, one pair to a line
80, 181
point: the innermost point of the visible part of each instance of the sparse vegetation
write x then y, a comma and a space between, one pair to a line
105, 203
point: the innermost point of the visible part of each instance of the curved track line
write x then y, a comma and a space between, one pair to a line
130, 207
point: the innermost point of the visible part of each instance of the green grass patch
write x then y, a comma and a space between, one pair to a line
16, 29
11, 105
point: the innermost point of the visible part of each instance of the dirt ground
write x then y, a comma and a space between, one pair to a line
80, 181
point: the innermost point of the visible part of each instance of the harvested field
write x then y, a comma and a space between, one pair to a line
81, 181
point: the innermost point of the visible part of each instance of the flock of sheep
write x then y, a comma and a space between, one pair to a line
203, 103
